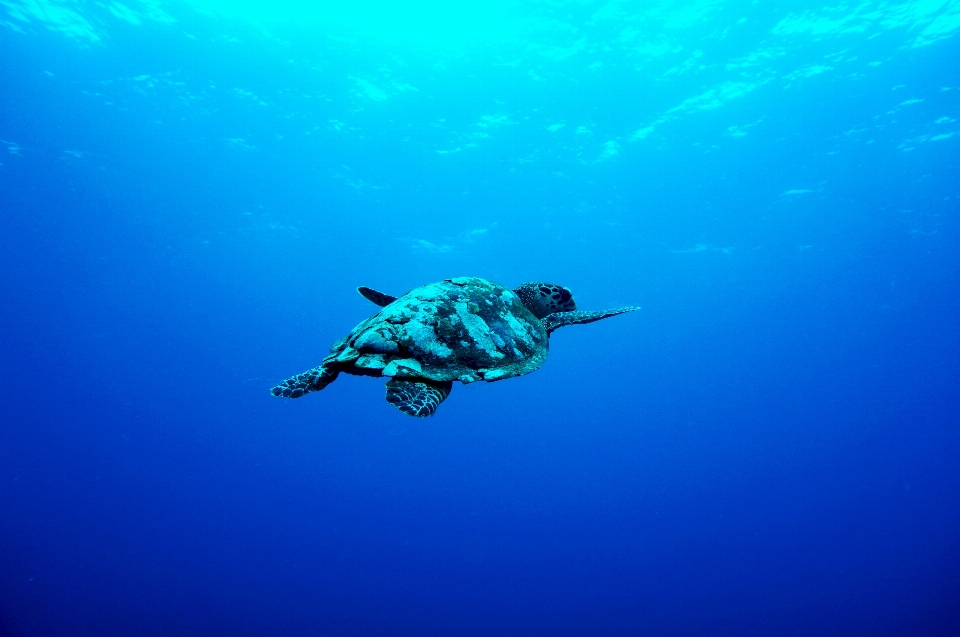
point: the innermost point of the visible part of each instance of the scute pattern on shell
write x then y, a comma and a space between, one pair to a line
464, 329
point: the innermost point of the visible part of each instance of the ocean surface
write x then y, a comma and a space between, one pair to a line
190, 193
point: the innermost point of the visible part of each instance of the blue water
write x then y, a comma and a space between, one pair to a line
189, 197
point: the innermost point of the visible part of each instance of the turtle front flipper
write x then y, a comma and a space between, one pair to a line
559, 319
419, 397
311, 380
377, 298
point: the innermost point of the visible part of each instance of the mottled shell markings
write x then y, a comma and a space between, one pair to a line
465, 329
478, 330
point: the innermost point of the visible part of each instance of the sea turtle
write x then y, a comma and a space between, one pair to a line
465, 329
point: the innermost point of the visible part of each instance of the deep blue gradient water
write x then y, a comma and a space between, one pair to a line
771, 446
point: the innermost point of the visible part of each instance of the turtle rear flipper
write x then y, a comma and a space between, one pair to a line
559, 319
377, 298
419, 397
311, 380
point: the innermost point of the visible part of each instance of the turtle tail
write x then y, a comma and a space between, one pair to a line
311, 380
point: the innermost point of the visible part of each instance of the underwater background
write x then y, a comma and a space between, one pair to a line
190, 193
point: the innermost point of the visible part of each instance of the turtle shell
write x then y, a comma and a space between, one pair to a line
464, 329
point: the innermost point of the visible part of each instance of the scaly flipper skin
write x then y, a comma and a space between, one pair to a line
311, 380
377, 298
463, 329
419, 398
560, 319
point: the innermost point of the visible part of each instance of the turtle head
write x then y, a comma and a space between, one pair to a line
545, 298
